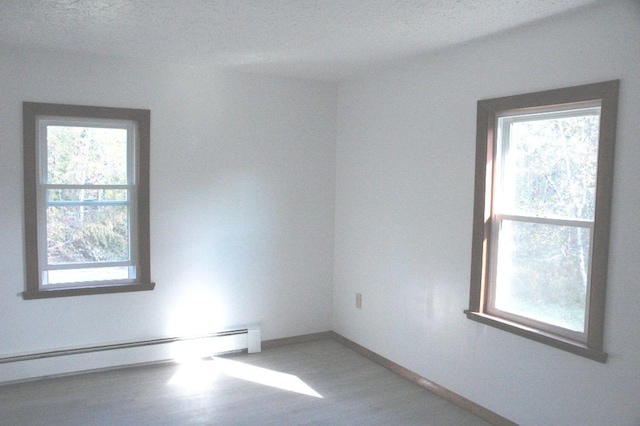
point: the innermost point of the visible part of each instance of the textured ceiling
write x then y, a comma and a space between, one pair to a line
318, 39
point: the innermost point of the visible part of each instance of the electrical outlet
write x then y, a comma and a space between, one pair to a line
358, 300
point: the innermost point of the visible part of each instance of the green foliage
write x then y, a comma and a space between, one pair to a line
87, 234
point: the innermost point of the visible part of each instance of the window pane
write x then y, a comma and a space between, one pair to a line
77, 234
87, 195
542, 272
550, 167
62, 276
86, 155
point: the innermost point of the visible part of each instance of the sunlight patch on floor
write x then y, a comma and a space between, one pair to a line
198, 374
195, 374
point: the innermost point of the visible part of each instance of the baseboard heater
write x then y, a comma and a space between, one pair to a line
52, 362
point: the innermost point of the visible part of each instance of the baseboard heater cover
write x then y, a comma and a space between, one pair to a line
52, 362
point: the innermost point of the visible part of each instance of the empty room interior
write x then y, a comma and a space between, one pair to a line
306, 182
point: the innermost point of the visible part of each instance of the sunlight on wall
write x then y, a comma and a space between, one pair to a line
200, 374
225, 247
199, 312
190, 351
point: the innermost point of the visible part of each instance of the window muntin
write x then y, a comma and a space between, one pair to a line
86, 200
544, 167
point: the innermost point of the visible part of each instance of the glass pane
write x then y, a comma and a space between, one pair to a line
62, 276
87, 195
550, 168
86, 155
79, 234
542, 272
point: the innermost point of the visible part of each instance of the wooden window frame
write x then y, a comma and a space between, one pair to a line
32, 113
606, 94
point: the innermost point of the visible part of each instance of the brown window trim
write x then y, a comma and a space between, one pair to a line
607, 93
31, 111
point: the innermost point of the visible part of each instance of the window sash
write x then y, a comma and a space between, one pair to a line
501, 213
43, 202
502, 143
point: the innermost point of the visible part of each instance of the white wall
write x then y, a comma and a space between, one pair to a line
404, 200
242, 202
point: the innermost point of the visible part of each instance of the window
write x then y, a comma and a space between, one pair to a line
544, 176
86, 172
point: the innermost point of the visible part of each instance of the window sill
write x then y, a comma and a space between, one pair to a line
83, 291
568, 345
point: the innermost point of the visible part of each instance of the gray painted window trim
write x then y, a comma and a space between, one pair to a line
31, 112
607, 94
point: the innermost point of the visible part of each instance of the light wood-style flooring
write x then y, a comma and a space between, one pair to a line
314, 383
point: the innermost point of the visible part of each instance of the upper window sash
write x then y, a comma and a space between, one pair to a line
43, 122
501, 198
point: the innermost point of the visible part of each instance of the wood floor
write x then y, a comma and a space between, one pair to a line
317, 383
